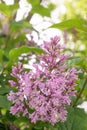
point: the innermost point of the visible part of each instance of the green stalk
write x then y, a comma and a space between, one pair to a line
80, 93
31, 126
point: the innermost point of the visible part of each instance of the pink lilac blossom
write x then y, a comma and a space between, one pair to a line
48, 89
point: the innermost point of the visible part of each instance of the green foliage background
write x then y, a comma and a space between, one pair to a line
13, 43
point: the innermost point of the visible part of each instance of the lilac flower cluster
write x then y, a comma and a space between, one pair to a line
48, 89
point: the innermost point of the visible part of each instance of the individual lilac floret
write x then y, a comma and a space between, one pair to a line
48, 89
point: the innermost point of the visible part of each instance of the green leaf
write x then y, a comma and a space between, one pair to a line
38, 8
76, 60
0, 26
4, 90
16, 26
40, 125
19, 38
41, 10
2, 126
77, 120
34, 2
72, 23
4, 103
8, 9
1, 54
21, 119
10, 117
16, 52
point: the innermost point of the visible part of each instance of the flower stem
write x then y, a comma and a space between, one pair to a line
31, 126
80, 93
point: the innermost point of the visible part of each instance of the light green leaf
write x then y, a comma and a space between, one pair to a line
19, 38
16, 52
41, 10
1, 54
8, 9
72, 23
38, 8
16, 26
34, 2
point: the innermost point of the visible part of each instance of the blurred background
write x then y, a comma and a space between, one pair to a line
26, 23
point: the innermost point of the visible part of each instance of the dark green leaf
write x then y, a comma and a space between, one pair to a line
40, 125
21, 119
10, 117
4, 103
77, 120
2, 126
4, 90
